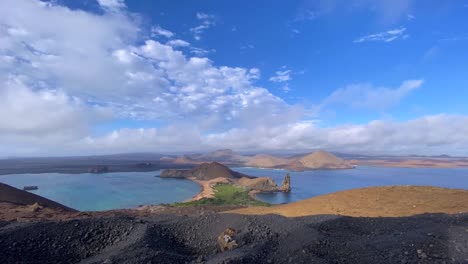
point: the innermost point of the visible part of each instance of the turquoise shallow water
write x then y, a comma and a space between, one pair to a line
96, 192
129, 189
317, 182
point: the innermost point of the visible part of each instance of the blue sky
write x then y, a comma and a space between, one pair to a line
107, 76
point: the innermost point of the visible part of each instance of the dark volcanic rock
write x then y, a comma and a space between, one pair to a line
30, 188
173, 173
205, 171
435, 238
12, 195
286, 185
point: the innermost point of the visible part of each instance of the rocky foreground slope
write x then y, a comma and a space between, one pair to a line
189, 235
9, 194
432, 238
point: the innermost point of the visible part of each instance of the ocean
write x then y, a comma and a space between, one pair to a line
96, 192
308, 184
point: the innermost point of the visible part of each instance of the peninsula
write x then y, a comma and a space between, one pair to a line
209, 175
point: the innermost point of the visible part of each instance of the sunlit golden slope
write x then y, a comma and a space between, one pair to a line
391, 201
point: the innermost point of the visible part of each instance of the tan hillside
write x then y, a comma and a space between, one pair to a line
225, 156
319, 160
266, 161
389, 201
184, 160
204, 171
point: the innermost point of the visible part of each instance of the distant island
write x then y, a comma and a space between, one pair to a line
141, 162
210, 174
311, 161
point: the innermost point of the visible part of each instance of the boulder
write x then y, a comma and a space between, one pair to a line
263, 184
286, 185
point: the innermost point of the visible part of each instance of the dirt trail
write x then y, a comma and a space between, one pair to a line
207, 187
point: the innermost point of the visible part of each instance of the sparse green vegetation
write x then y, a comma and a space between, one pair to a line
227, 194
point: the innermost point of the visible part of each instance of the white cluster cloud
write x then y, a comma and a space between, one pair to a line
178, 43
63, 72
159, 31
53, 111
426, 135
90, 61
207, 21
387, 36
429, 135
112, 4
281, 76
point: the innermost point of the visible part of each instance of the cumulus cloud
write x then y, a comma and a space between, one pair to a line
95, 58
207, 21
159, 31
28, 112
111, 4
178, 43
387, 36
368, 96
430, 135
281, 76
89, 60
58, 80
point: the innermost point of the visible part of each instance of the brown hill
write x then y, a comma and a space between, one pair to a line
265, 184
204, 171
266, 161
389, 201
9, 194
184, 160
226, 156
318, 160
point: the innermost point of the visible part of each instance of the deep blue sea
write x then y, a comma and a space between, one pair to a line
130, 189
317, 182
96, 192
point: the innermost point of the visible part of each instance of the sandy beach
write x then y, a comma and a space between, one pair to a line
207, 187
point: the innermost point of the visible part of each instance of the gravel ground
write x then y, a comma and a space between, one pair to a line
431, 238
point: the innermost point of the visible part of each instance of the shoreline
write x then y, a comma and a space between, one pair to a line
207, 190
70, 168
377, 163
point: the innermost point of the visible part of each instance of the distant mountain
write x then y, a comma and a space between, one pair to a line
204, 171
185, 160
319, 160
10, 194
226, 156
315, 160
266, 161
